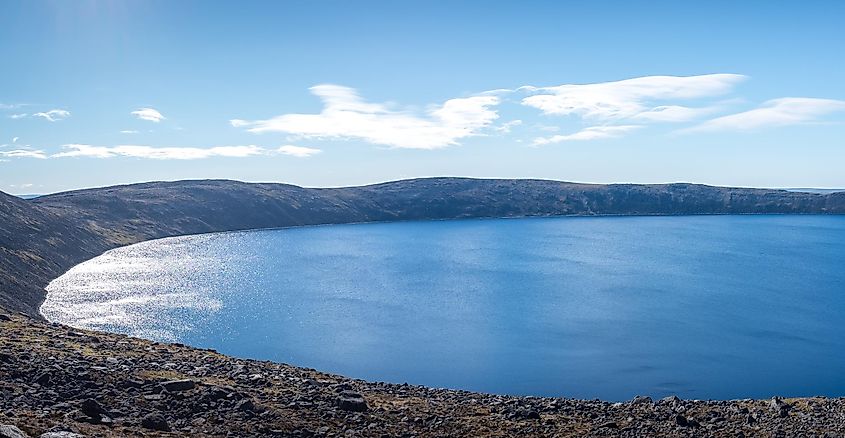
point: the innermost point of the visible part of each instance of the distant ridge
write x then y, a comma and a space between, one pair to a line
812, 190
43, 237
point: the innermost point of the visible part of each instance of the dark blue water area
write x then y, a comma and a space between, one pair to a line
706, 307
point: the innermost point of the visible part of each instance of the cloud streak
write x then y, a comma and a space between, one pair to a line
24, 153
591, 133
157, 153
774, 113
630, 98
148, 114
298, 151
346, 115
53, 115
179, 153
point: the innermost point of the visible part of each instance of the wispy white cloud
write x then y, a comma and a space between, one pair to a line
179, 153
630, 98
777, 112
148, 114
129, 131
346, 115
505, 128
15, 139
53, 115
591, 133
18, 116
158, 153
546, 128
10, 106
298, 151
674, 113
23, 153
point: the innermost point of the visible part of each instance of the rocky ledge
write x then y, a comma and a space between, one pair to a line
60, 382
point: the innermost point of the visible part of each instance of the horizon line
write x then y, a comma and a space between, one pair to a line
31, 195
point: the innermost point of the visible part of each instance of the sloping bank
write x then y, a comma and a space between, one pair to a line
57, 379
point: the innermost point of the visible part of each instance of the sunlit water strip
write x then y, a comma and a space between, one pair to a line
143, 290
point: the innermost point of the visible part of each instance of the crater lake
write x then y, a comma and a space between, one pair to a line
706, 307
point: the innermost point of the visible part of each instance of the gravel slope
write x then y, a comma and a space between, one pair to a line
54, 378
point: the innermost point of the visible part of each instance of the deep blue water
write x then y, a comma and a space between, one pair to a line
609, 307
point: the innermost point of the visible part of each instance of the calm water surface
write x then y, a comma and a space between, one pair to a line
702, 307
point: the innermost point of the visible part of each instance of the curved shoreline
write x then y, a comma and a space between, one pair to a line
99, 384
52, 375
757, 390
63, 229
574, 216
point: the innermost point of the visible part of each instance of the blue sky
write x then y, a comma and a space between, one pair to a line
322, 93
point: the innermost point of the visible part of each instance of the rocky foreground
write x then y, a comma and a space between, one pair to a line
60, 382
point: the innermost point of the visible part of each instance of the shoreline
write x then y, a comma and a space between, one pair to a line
55, 377
439, 220
569, 216
103, 384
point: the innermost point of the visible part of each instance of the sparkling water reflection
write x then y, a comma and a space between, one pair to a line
702, 307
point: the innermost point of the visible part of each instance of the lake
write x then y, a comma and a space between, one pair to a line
588, 307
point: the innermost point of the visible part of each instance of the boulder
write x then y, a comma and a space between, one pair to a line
92, 408
352, 401
63, 434
43, 379
155, 422
246, 405
94, 413
671, 400
179, 385
9, 431
529, 414
683, 421
641, 400
780, 407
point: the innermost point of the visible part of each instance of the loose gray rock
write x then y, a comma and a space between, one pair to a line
671, 400
352, 401
638, 400
179, 385
780, 407
529, 414
9, 431
92, 409
245, 405
63, 434
682, 421
155, 422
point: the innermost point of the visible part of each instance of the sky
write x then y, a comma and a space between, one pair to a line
335, 93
